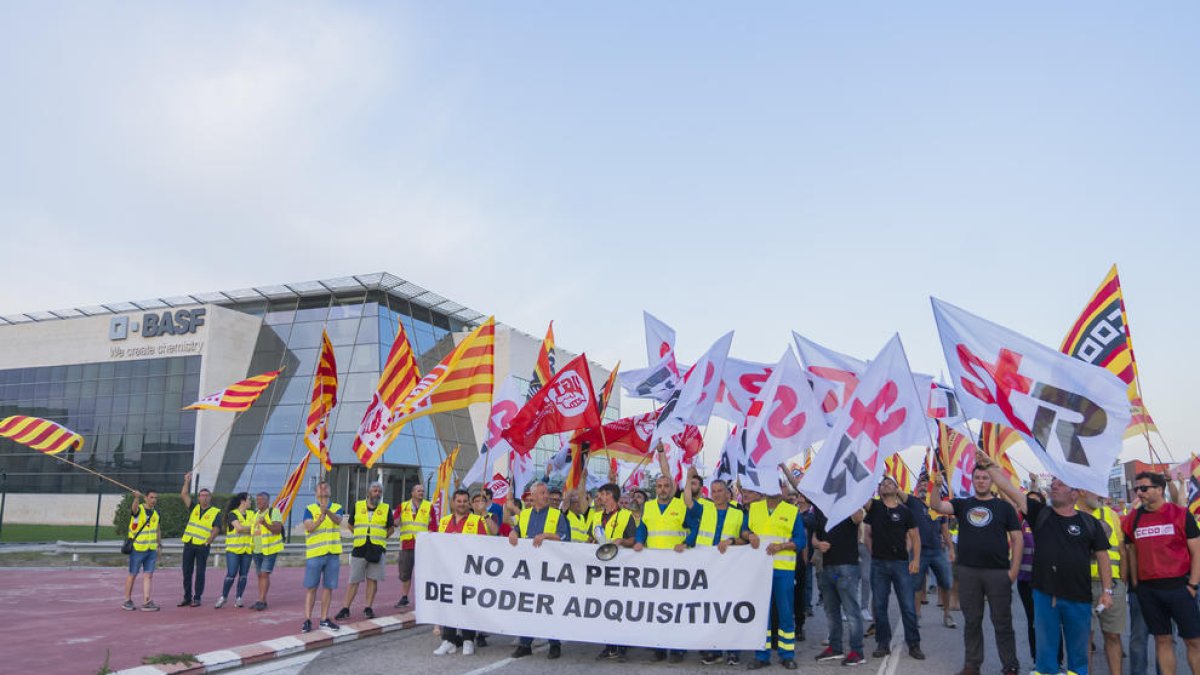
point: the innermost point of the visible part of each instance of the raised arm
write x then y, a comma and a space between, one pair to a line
936, 502
1002, 483
185, 493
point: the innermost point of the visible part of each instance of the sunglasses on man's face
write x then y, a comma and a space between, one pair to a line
1143, 488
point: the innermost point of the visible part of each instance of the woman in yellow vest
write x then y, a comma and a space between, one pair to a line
239, 547
267, 537
143, 530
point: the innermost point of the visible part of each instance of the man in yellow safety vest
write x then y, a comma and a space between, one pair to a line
413, 516
616, 525
720, 525
460, 521
778, 522
198, 536
267, 536
372, 522
539, 522
322, 555
143, 529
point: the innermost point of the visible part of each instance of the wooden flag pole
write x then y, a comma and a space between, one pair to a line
93, 472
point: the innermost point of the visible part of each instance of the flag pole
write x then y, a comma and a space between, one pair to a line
93, 472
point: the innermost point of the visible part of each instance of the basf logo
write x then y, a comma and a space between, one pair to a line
179, 322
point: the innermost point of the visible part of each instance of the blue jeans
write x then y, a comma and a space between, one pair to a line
888, 575
839, 586
238, 566
1052, 614
1139, 633
807, 585
783, 589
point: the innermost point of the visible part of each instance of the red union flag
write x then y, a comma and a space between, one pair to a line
566, 403
1071, 414
884, 416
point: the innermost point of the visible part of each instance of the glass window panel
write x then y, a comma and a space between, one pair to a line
192, 366
314, 314
305, 335
306, 361
108, 370
156, 385
141, 368
29, 375
282, 330
279, 317
120, 405
284, 419
358, 387
350, 308
158, 366
343, 331
154, 405
348, 416
58, 373
296, 391
176, 366
368, 358
122, 385
43, 372
137, 385
88, 390
341, 449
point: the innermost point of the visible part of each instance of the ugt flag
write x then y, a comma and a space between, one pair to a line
884, 415
566, 403
1072, 414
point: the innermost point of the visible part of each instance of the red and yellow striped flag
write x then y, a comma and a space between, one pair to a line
606, 393
324, 398
464, 376
1100, 336
897, 470
543, 367
287, 494
397, 380
445, 483
238, 397
39, 434
995, 440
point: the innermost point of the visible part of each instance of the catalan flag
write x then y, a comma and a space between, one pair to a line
1193, 487
606, 393
1100, 336
464, 376
324, 398
897, 470
957, 454
543, 367
287, 494
39, 434
397, 380
995, 440
238, 397
445, 478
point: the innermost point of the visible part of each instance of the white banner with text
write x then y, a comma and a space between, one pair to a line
697, 599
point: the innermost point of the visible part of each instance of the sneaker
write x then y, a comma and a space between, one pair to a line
196, 602
757, 665
948, 622
259, 606
870, 630
915, 652
710, 659
853, 659
520, 652
370, 614
880, 653
185, 602
238, 603
403, 602
468, 647
733, 660
128, 606
220, 602
675, 658
825, 642
327, 624
447, 647
830, 654
788, 664
307, 627
149, 606
800, 636
343, 614
555, 651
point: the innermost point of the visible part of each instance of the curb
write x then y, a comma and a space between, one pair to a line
257, 652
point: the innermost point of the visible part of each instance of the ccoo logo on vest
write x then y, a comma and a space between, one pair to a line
179, 322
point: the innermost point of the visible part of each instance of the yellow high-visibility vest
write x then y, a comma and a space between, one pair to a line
474, 524
236, 542
551, 526
579, 525
370, 523
200, 525
411, 523
664, 529
267, 542
147, 538
615, 528
326, 537
777, 523
1107, 515
730, 529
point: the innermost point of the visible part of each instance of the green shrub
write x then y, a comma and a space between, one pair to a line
172, 516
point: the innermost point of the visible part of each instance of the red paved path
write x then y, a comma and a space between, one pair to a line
62, 620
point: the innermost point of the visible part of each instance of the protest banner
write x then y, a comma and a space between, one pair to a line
697, 599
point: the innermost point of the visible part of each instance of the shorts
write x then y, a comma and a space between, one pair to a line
405, 563
361, 569
1112, 620
937, 562
1162, 606
322, 568
143, 561
263, 563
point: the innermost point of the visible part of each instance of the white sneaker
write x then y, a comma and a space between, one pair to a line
238, 603
447, 647
468, 647
220, 602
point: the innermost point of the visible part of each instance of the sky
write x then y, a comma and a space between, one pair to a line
818, 167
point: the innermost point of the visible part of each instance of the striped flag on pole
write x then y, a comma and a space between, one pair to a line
398, 378
897, 470
239, 396
324, 398
39, 434
543, 368
287, 494
464, 376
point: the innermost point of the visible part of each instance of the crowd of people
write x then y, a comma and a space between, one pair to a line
1080, 563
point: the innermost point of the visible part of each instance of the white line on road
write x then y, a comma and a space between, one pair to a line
499, 664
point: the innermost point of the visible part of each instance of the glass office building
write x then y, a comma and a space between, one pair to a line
119, 375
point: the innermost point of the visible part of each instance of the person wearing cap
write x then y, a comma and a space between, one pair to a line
891, 535
372, 523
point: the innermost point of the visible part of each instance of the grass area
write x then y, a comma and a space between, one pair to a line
12, 532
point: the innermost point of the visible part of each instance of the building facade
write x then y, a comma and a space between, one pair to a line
120, 374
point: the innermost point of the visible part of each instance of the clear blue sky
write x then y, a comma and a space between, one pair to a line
822, 167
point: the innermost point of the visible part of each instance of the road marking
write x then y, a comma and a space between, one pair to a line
892, 661
500, 664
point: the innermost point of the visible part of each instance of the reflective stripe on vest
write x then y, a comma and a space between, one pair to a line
777, 524
550, 527
147, 539
236, 542
615, 527
199, 527
413, 523
579, 525
370, 523
664, 529
473, 525
267, 542
1108, 517
324, 538
730, 529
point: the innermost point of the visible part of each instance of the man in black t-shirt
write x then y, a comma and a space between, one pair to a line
839, 584
891, 532
989, 557
1066, 542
